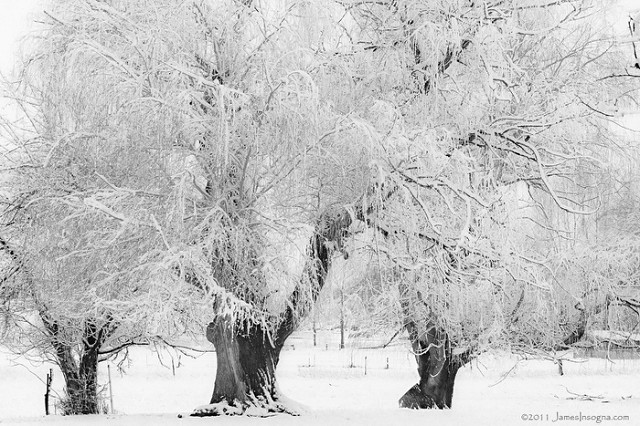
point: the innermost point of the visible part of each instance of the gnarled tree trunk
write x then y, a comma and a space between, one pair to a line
81, 373
81, 384
246, 363
247, 354
437, 367
437, 363
246, 369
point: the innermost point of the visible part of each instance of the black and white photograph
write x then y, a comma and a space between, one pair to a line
319, 212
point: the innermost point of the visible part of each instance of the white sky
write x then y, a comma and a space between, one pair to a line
14, 23
16, 19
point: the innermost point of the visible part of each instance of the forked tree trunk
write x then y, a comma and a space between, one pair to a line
81, 385
80, 375
437, 368
437, 363
247, 355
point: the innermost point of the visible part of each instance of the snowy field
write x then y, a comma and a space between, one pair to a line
330, 387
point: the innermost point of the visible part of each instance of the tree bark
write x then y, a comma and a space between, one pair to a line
247, 354
80, 375
246, 369
437, 368
82, 385
246, 359
434, 352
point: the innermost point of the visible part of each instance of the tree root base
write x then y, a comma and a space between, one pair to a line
218, 409
416, 399
224, 408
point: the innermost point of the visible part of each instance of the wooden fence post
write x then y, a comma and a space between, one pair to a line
48, 391
110, 388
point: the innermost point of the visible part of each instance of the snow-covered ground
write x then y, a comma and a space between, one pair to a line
321, 381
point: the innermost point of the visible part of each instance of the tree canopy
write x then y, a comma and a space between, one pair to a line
174, 158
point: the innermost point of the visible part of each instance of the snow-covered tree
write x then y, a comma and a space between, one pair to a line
171, 148
488, 117
86, 268
230, 148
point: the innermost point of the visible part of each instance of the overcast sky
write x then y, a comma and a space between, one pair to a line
17, 15
14, 22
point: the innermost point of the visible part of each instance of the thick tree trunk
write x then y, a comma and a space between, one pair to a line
246, 370
437, 368
437, 363
81, 385
80, 375
248, 354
